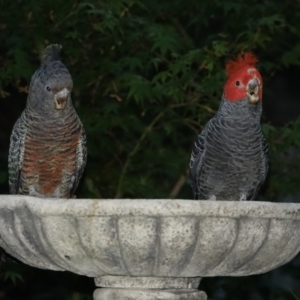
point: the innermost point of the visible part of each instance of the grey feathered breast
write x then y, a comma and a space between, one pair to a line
230, 156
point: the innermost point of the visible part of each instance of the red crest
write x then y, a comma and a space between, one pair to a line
249, 59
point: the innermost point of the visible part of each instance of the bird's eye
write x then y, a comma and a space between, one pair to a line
237, 83
48, 88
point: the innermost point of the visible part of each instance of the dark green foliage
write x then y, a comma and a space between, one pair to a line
147, 76
152, 74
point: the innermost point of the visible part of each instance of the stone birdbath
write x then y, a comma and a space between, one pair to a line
149, 249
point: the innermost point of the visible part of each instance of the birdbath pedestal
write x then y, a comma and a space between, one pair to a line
149, 249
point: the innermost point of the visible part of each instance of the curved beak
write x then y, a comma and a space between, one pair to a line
60, 99
253, 91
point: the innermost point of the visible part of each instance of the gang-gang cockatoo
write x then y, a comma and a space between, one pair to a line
48, 153
229, 160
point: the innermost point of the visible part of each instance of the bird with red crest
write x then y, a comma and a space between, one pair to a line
229, 160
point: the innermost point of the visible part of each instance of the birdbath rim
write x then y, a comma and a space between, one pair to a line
157, 246
155, 207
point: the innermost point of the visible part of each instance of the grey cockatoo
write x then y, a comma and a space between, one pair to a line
229, 160
48, 153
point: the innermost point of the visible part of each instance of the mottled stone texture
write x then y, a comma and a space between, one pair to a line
150, 238
149, 249
148, 282
122, 294
148, 288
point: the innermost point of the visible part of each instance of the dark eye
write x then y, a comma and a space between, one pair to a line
237, 83
48, 88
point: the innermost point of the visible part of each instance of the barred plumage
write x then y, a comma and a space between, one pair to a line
230, 157
48, 152
229, 160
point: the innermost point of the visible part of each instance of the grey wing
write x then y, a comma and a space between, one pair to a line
196, 162
81, 157
265, 148
16, 155
264, 170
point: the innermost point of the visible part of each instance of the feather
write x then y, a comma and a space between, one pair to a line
249, 59
51, 53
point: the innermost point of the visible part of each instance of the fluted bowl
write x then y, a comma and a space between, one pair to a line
157, 238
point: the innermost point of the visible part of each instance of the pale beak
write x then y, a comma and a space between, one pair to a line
60, 99
253, 91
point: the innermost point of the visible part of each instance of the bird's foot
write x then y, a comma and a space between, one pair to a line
243, 197
34, 193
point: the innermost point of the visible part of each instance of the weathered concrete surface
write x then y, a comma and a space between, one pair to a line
148, 282
123, 294
148, 288
156, 238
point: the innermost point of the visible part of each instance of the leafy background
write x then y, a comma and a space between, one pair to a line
147, 76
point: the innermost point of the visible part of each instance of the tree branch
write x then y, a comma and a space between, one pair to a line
179, 184
147, 130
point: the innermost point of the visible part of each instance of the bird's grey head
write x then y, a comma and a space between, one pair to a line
51, 84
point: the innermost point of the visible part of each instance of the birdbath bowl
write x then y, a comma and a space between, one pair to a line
149, 249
